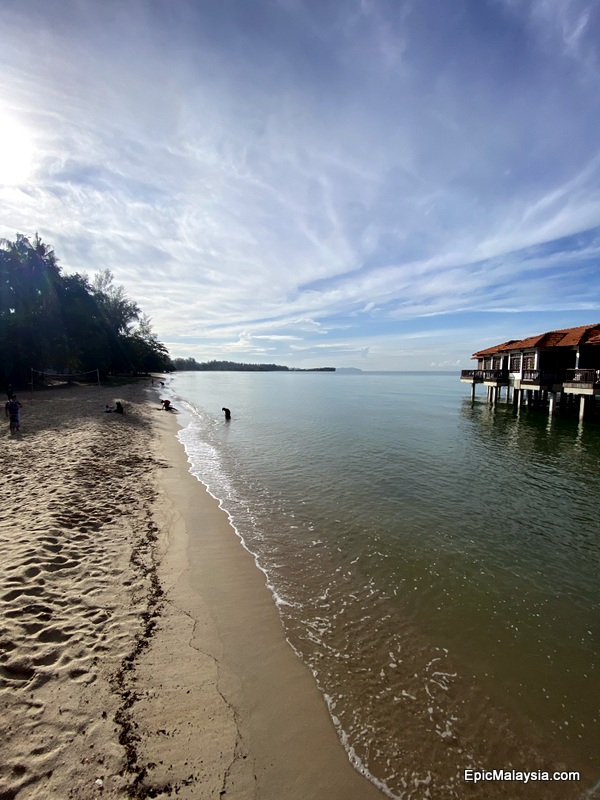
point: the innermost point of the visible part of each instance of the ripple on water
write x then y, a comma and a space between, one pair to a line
435, 564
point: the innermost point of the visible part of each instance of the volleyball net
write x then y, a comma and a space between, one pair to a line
49, 377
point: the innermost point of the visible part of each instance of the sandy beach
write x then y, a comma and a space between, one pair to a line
141, 653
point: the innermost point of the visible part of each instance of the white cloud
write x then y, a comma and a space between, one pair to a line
266, 188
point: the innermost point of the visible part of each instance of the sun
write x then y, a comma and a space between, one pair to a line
16, 152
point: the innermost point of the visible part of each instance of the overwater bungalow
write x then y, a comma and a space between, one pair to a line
562, 364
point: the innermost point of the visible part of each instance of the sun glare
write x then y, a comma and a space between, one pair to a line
16, 152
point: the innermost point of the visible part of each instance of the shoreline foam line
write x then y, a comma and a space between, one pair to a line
342, 735
286, 744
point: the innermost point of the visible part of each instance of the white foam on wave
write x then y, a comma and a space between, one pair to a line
201, 439
353, 757
207, 467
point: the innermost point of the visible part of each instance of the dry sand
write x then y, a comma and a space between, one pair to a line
141, 654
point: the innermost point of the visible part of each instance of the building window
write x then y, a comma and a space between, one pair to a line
497, 362
515, 363
529, 361
487, 364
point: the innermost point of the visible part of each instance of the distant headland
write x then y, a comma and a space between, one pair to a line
191, 365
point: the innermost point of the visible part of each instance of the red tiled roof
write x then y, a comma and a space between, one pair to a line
566, 337
593, 338
526, 344
553, 339
495, 349
575, 336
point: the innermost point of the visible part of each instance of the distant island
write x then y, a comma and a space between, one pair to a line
191, 365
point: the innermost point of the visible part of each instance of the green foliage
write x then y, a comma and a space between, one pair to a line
51, 321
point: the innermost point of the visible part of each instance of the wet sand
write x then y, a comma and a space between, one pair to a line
141, 653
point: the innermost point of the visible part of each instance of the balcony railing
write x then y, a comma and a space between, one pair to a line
480, 375
539, 378
582, 378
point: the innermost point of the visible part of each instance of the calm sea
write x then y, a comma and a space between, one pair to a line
435, 563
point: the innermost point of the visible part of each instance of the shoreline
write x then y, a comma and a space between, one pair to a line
141, 651
286, 744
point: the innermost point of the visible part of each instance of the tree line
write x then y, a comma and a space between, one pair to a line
191, 365
68, 323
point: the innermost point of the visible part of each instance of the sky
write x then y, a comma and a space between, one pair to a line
381, 184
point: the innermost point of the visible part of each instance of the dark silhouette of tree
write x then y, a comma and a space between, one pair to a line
118, 314
191, 365
29, 279
51, 321
118, 310
147, 352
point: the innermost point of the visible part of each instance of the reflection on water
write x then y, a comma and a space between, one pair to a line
435, 562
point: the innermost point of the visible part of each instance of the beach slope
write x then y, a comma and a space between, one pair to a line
141, 653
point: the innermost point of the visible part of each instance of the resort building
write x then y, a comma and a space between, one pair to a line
563, 364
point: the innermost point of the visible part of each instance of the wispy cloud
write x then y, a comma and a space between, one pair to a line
294, 179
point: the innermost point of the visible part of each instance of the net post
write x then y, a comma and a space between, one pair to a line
98, 376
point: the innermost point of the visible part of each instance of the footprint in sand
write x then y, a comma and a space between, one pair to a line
54, 635
18, 672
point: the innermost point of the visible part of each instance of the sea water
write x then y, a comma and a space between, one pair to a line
435, 562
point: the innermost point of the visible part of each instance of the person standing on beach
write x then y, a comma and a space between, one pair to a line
12, 410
